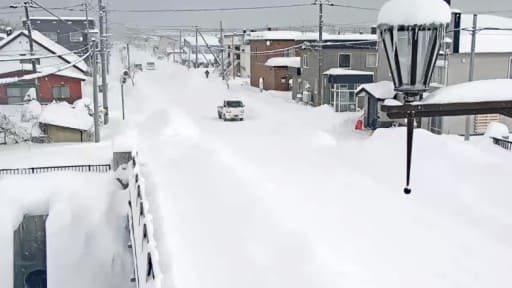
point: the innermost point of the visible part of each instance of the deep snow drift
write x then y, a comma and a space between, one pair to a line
294, 197
85, 228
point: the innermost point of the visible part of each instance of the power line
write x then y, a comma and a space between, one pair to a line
355, 7
207, 9
41, 56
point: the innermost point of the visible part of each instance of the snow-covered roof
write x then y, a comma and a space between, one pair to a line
410, 12
380, 90
62, 114
341, 71
283, 61
486, 40
50, 45
476, 91
277, 35
210, 40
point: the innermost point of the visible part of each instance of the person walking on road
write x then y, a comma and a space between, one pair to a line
206, 73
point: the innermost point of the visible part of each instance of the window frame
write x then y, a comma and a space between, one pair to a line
376, 59
350, 60
60, 97
305, 61
71, 39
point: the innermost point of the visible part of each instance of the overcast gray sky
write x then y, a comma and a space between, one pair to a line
275, 18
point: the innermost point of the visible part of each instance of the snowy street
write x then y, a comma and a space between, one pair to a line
294, 197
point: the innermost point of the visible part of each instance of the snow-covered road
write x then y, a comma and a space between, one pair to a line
294, 197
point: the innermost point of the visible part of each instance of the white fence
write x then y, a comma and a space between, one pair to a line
145, 256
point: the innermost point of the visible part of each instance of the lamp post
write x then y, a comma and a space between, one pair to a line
412, 48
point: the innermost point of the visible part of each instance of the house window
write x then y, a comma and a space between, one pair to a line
52, 35
305, 63
75, 37
343, 97
16, 94
344, 60
60, 92
371, 60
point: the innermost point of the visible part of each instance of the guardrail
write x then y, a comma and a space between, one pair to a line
101, 168
145, 256
503, 143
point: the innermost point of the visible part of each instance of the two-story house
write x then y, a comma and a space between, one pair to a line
348, 60
69, 32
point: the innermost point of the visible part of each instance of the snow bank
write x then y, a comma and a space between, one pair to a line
411, 12
283, 61
85, 228
31, 111
497, 130
476, 91
62, 114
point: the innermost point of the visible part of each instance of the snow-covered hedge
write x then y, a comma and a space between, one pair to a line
145, 255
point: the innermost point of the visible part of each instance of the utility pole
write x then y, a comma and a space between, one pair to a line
471, 70
107, 42
95, 92
26, 4
222, 50
103, 55
181, 60
197, 44
320, 4
88, 35
128, 55
233, 55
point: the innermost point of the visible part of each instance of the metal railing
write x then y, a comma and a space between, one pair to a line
146, 268
503, 143
98, 168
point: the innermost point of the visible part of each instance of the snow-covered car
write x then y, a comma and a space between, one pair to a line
231, 110
150, 66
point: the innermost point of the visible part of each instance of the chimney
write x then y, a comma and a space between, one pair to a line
8, 31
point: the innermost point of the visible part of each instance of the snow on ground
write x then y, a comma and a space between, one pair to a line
62, 154
85, 227
294, 197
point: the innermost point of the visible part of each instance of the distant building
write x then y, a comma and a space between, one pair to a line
341, 85
70, 32
64, 85
269, 44
279, 73
238, 44
207, 48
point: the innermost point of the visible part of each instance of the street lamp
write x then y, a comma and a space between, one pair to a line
411, 32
